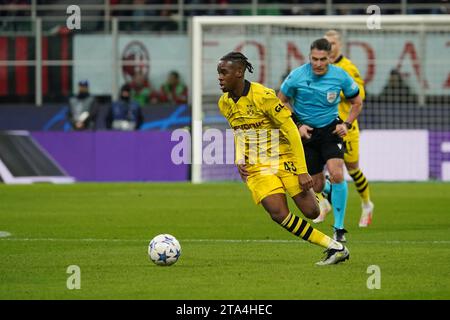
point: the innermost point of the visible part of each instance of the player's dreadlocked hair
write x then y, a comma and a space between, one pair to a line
240, 58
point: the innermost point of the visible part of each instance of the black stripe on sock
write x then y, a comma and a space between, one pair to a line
357, 175
302, 226
292, 227
361, 183
363, 188
288, 218
308, 233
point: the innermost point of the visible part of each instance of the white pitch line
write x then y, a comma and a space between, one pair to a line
223, 240
4, 234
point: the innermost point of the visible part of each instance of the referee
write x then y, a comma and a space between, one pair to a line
313, 91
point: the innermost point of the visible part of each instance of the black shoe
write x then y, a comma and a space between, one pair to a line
339, 235
334, 256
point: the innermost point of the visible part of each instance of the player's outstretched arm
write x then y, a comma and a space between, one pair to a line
355, 110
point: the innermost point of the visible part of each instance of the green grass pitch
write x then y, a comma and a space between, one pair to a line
230, 248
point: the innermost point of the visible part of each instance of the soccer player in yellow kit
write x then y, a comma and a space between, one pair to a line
270, 152
351, 155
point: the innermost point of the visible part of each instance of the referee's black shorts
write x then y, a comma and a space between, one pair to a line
322, 146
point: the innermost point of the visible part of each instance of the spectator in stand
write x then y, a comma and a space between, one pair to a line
174, 90
141, 91
124, 114
396, 89
304, 7
168, 13
14, 25
141, 16
443, 9
83, 108
270, 8
225, 9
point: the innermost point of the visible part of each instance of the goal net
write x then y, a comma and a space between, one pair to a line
405, 122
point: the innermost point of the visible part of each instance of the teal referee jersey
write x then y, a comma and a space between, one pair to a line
316, 98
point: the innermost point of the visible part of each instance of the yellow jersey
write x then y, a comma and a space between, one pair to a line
352, 70
257, 118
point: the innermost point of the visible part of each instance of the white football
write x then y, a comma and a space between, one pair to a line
164, 250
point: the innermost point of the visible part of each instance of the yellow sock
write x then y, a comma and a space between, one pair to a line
361, 183
303, 229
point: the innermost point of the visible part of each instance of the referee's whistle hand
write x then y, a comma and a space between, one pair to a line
305, 131
305, 180
341, 130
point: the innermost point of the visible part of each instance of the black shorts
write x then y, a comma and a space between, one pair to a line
322, 146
